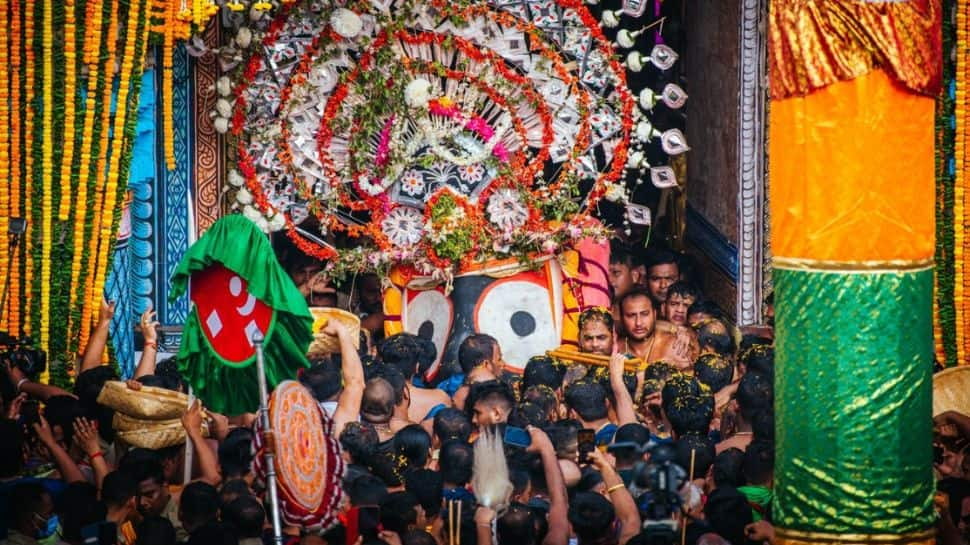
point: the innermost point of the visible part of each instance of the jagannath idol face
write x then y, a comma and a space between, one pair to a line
520, 311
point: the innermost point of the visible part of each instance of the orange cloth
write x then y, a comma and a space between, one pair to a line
851, 170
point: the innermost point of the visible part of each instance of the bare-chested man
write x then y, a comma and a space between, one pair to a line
642, 338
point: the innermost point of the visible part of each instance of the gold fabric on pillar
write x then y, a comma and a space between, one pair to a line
814, 43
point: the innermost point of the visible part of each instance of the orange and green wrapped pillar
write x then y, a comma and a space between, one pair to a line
851, 169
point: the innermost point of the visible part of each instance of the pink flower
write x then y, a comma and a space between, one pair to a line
384, 145
549, 246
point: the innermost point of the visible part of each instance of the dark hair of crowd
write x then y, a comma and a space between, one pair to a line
684, 289
587, 399
414, 445
714, 370
476, 350
451, 423
591, 516
455, 462
322, 378
635, 293
247, 515
426, 486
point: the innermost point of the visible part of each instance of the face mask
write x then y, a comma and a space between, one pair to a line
49, 528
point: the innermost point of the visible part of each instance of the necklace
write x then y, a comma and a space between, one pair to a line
646, 358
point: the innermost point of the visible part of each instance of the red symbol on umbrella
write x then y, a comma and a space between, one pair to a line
229, 314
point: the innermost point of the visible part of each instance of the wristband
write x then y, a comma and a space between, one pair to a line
21, 383
98, 454
152, 345
614, 488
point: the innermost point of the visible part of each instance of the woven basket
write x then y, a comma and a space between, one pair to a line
149, 403
951, 390
151, 434
328, 344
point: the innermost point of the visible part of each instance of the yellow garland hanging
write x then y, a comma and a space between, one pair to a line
70, 91
47, 173
89, 302
959, 150
939, 353
5, 211
168, 64
92, 45
28, 325
13, 300
117, 146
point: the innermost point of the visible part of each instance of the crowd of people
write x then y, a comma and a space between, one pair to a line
677, 451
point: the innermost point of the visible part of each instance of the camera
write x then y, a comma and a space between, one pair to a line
20, 353
655, 485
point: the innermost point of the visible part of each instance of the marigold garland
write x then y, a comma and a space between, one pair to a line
13, 303
959, 149
70, 91
5, 210
99, 152
135, 28
168, 55
28, 174
98, 50
47, 173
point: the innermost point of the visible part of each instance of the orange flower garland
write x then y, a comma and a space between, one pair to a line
5, 211
92, 45
13, 303
168, 56
28, 325
89, 303
959, 188
70, 91
118, 133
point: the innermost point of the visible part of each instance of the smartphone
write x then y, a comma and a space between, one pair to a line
100, 533
368, 522
517, 437
586, 440
30, 413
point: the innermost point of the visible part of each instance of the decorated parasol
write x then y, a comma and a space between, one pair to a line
238, 290
306, 461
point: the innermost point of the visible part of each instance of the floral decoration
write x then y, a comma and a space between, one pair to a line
490, 122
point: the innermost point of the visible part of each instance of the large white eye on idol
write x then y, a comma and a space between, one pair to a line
519, 314
429, 315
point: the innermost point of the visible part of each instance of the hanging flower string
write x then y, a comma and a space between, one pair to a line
47, 173
13, 303
29, 144
70, 91
99, 152
135, 27
5, 210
